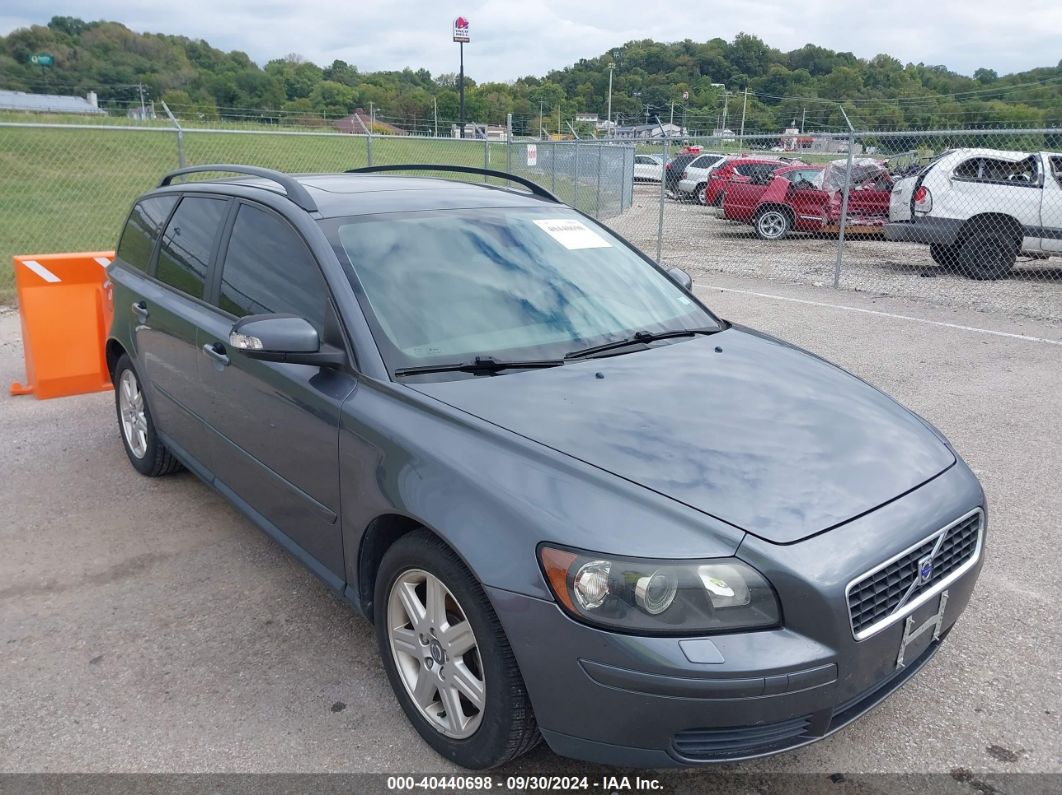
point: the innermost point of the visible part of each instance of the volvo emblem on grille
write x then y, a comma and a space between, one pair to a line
925, 569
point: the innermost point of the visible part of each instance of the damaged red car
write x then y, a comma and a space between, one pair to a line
807, 198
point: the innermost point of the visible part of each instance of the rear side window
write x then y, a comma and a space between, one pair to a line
989, 169
188, 242
268, 269
142, 230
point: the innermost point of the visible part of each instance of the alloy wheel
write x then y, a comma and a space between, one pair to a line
131, 406
771, 225
436, 653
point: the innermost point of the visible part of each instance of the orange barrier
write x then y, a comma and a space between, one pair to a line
65, 307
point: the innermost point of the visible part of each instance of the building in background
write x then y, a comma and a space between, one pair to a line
50, 103
665, 130
492, 132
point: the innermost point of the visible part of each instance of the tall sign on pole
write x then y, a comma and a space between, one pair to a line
462, 38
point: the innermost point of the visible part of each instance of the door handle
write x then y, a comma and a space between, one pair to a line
140, 310
216, 351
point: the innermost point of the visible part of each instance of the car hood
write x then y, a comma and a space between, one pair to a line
746, 428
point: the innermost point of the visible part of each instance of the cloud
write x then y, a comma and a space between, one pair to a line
510, 39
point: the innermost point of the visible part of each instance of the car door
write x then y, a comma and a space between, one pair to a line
169, 311
1051, 206
273, 427
808, 202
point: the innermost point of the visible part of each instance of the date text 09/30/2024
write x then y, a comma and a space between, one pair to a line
524, 783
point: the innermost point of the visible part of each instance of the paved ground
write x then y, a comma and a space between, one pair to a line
145, 626
696, 238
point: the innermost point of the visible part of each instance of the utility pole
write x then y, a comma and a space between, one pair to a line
435, 109
671, 121
744, 106
726, 99
803, 116
540, 104
611, 66
372, 117
558, 120
143, 110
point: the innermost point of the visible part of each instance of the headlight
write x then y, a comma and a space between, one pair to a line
685, 597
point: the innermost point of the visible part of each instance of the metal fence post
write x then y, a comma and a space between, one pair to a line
597, 200
660, 220
575, 197
844, 211
486, 150
180, 135
623, 179
553, 171
508, 145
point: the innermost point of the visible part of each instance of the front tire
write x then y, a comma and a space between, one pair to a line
701, 192
447, 657
148, 455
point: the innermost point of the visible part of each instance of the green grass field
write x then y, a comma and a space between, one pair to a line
70, 189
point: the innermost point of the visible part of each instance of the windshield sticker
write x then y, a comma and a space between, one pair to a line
572, 234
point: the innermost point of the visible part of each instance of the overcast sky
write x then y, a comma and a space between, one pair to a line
521, 37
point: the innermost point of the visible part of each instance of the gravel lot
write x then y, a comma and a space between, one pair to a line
146, 627
698, 240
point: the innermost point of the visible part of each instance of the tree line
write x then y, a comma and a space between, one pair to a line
700, 85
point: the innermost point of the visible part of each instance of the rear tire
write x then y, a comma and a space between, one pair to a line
986, 256
148, 455
771, 223
502, 726
701, 193
945, 256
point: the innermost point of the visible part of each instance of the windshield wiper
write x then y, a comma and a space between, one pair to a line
481, 364
636, 339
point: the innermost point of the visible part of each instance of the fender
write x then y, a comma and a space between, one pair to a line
408, 457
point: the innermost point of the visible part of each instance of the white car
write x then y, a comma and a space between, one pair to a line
695, 176
648, 168
979, 208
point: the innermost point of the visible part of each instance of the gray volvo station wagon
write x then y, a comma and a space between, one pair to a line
575, 504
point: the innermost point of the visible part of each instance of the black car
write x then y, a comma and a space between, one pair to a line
673, 170
575, 504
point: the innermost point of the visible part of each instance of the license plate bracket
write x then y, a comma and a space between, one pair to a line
934, 623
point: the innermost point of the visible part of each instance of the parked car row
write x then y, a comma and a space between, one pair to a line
976, 209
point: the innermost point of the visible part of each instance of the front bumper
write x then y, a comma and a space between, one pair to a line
659, 702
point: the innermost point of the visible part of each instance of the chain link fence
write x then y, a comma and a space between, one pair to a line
968, 219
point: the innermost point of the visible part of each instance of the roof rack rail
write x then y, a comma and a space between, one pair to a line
294, 190
536, 189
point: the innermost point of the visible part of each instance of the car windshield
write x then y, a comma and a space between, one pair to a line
514, 284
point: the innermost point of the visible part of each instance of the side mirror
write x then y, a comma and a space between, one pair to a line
681, 278
283, 338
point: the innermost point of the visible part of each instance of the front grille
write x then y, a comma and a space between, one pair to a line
739, 742
879, 595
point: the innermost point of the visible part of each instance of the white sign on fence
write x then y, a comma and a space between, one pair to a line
532, 154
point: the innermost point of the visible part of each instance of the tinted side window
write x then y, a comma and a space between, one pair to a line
187, 243
268, 269
142, 230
